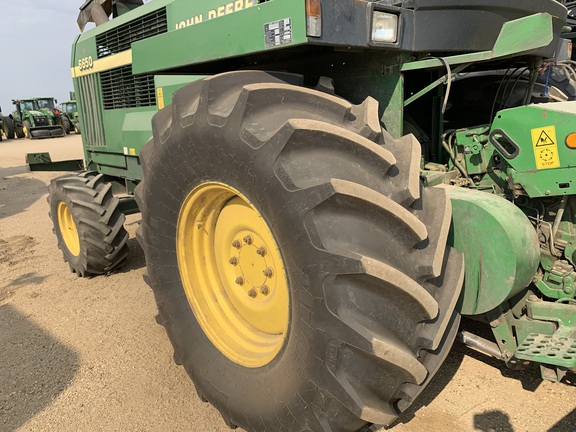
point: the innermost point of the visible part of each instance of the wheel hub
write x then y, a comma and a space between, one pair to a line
68, 229
233, 274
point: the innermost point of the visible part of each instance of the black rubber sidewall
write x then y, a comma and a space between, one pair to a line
258, 390
57, 196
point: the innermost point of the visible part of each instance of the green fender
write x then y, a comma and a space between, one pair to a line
500, 246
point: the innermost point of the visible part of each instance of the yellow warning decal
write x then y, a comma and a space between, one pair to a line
160, 93
545, 147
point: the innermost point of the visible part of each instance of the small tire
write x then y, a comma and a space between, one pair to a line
26, 129
88, 223
65, 123
77, 128
19, 131
372, 285
9, 128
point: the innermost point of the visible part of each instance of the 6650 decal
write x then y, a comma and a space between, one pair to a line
85, 63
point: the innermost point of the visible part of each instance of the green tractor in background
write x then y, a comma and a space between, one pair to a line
49, 105
69, 116
35, 118
6, 126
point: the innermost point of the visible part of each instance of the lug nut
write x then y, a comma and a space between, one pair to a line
198, 225
252, 293
240, 280
233, 261
265, 290
261, 251
268, 272
236, 244
248, 240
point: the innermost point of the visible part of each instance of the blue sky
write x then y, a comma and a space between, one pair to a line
36, 37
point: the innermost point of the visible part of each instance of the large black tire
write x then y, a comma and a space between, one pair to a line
372, 284
97, 220
26, 128
9, 128
65, 123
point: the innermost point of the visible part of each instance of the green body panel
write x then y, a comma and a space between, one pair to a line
166, 85
518, 124
229, 35
500, 248
129, 128
518, 36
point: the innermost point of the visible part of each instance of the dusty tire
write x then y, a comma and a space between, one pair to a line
344, 202
88, 223
65, 123
20, 132
26, 129
9, 128
77, 128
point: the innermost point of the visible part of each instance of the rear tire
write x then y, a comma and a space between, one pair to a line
372, 284
65, 123
26, 129
88, 223
20, 132
9, 128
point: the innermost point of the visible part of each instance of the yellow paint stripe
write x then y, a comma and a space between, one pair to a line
111, 62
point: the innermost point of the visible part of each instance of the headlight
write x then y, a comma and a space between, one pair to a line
384, 27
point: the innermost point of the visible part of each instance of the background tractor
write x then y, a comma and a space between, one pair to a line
70, 112
6, 126
49, 107
36, 118
326, 188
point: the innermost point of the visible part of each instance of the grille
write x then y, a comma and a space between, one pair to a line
121, 89
92, 122
40, 121
120, 38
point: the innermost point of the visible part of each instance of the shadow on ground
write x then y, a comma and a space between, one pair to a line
135, 259
491, 421
530, 379
29, 191
567, 424
35, 368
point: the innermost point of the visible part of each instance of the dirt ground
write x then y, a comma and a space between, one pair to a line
87, 354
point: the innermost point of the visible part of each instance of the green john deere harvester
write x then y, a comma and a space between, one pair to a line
36, 118
326, 187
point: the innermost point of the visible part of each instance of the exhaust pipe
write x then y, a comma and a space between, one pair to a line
96, 11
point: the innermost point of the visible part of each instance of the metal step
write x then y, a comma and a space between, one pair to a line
558, 349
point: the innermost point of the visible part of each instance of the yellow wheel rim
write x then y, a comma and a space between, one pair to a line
68, 229
233, 274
